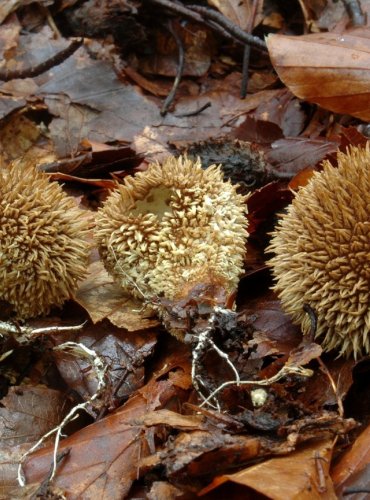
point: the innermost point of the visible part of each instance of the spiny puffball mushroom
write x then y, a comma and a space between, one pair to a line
322, 254
171, 227
43, 252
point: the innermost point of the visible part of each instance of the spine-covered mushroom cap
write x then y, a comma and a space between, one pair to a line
43, 252
322, 254
171, 227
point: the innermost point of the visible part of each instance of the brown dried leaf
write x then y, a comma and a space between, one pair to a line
329, 69
303, 474
198, 44
102, 298
352, 470
123, 352
173, 419
162, 490
9, 460
197, 453
239, 11
275, 332
292, 154
28, 412
103, 461
17, 135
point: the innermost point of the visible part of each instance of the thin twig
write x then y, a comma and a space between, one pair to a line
230, 27
42, 491
25, 333
245, 68
334, 387
180, 69
193, 113
217, 20
247, 53
55, 60
353, 491
286, 370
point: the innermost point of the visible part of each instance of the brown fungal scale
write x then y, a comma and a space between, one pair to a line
43, 252
322, 254
171, 227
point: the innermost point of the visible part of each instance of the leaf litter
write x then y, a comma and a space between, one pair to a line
94, 118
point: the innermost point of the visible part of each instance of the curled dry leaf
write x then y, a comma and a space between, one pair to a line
329, 69
103, 460
123, 352
302, 474
102, 298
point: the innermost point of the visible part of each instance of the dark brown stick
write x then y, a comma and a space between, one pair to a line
58, 58
230, 27
247, 53
180, 69
194, 113
218, 21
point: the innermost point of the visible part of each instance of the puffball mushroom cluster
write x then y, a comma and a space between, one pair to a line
43, 252
174, 226
322, 254
171, 227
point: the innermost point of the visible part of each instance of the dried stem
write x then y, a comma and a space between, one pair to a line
25, 334
230, 27
180, 69
55, 60
194, 113
247, 53
215, 19
204, 342
286, 370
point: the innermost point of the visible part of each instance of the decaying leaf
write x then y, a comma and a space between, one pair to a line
103, 460
28, 412
102, 298
303, 474
352, 470
123, 352
329, 69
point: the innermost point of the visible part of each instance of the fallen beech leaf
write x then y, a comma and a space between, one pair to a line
103, 461
301, 475
164, 491
9, 459
123, 352
274, 331
239, 11
28, 412
329, 69
301, 179
173, 419
102, 298
346, 472
292, 154
196, 453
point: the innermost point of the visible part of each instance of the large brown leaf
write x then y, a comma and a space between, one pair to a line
103, 457
303, 474
329, 69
